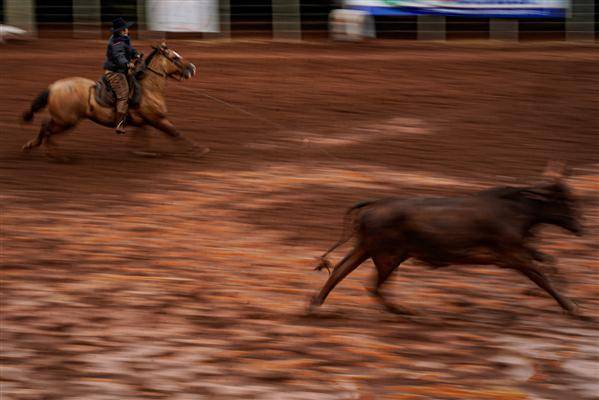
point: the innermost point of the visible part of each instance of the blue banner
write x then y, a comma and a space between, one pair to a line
464, 8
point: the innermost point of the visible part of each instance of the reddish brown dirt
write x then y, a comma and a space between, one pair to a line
176, 278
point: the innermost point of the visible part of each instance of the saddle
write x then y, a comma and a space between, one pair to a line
105, 95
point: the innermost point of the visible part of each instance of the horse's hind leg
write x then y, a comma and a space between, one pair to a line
54, 128
39, 139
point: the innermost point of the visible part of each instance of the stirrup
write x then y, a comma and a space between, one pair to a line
120, 128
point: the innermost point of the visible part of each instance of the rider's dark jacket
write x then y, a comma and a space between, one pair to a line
119, 53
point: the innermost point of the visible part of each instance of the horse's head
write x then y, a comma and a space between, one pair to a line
170, 63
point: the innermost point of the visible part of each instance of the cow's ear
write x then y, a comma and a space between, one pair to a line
555, 171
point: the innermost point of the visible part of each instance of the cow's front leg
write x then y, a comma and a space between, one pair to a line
521, 260
385, 265
541, 280
540, 256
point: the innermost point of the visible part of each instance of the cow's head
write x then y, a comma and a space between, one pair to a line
554, 200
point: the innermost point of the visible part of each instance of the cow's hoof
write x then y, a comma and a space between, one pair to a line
580, 317
547, 259
577, 314
313, 304
399, 310
574, 311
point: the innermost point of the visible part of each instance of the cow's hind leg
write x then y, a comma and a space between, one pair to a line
385, 265
350, 262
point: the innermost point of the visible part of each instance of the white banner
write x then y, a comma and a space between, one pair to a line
183, 15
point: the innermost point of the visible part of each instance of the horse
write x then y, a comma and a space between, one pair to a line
71, 100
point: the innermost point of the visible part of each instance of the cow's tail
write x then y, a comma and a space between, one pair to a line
40, 102
349, 229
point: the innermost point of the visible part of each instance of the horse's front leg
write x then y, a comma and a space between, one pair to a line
139, 142
166, 126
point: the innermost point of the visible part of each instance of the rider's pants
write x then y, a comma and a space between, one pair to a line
120, 86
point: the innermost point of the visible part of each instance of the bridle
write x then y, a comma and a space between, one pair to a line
176, 61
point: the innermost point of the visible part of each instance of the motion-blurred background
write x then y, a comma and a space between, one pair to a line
460, 19
169, 277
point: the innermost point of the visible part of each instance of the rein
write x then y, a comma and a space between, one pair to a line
162, 74
148, 61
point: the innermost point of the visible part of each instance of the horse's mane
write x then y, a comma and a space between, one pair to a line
151, 56
140, 75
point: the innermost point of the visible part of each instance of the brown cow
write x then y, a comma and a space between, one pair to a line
489, 227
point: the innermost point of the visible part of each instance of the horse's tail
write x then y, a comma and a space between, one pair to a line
349, 229
40, 102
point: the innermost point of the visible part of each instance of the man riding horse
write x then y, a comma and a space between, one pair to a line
120, 56
71, 100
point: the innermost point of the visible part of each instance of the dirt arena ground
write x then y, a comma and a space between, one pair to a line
178, 278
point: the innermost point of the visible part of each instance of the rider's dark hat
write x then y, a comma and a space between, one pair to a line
119, 24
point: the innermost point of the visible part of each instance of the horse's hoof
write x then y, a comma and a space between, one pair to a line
60, 159
148, 154
26, 148
200, 152
398, 310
